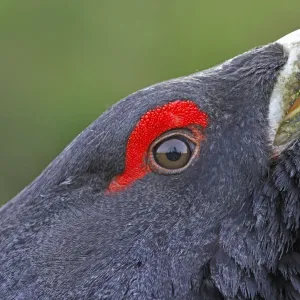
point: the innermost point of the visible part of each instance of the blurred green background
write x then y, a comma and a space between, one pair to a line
62, 63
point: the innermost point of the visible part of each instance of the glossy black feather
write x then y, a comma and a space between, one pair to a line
226, 228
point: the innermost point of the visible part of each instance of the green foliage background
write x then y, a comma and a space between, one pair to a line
62, 63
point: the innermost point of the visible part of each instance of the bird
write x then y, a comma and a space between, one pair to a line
187, 189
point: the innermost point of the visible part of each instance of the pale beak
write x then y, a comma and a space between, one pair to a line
287, 93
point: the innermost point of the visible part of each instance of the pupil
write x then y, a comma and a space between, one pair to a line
173, 154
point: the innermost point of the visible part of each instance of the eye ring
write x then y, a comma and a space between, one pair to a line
191, 137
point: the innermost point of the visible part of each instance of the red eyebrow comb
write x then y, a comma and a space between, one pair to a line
175, 114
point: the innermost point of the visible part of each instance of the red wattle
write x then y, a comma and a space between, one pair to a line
176, 114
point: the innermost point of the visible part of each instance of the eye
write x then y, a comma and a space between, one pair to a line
173, 152
180, 121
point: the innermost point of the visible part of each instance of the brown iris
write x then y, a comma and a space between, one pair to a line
174, 151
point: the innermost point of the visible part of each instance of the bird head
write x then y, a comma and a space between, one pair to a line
133, 207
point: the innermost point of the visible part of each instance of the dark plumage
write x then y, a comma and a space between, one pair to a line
224, 228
